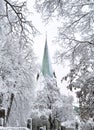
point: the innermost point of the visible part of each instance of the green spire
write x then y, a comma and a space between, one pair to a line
46, 65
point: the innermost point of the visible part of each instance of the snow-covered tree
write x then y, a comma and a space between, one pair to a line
16, 60
76, 37
51, 104
89, 125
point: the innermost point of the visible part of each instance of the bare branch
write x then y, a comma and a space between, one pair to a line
17, 12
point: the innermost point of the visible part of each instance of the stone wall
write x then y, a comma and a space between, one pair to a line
64, 128
13, 128
69, 128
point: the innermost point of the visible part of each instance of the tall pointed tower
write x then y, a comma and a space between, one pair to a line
46, 63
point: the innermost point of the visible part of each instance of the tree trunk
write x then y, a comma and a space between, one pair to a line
10, 106
51, 121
